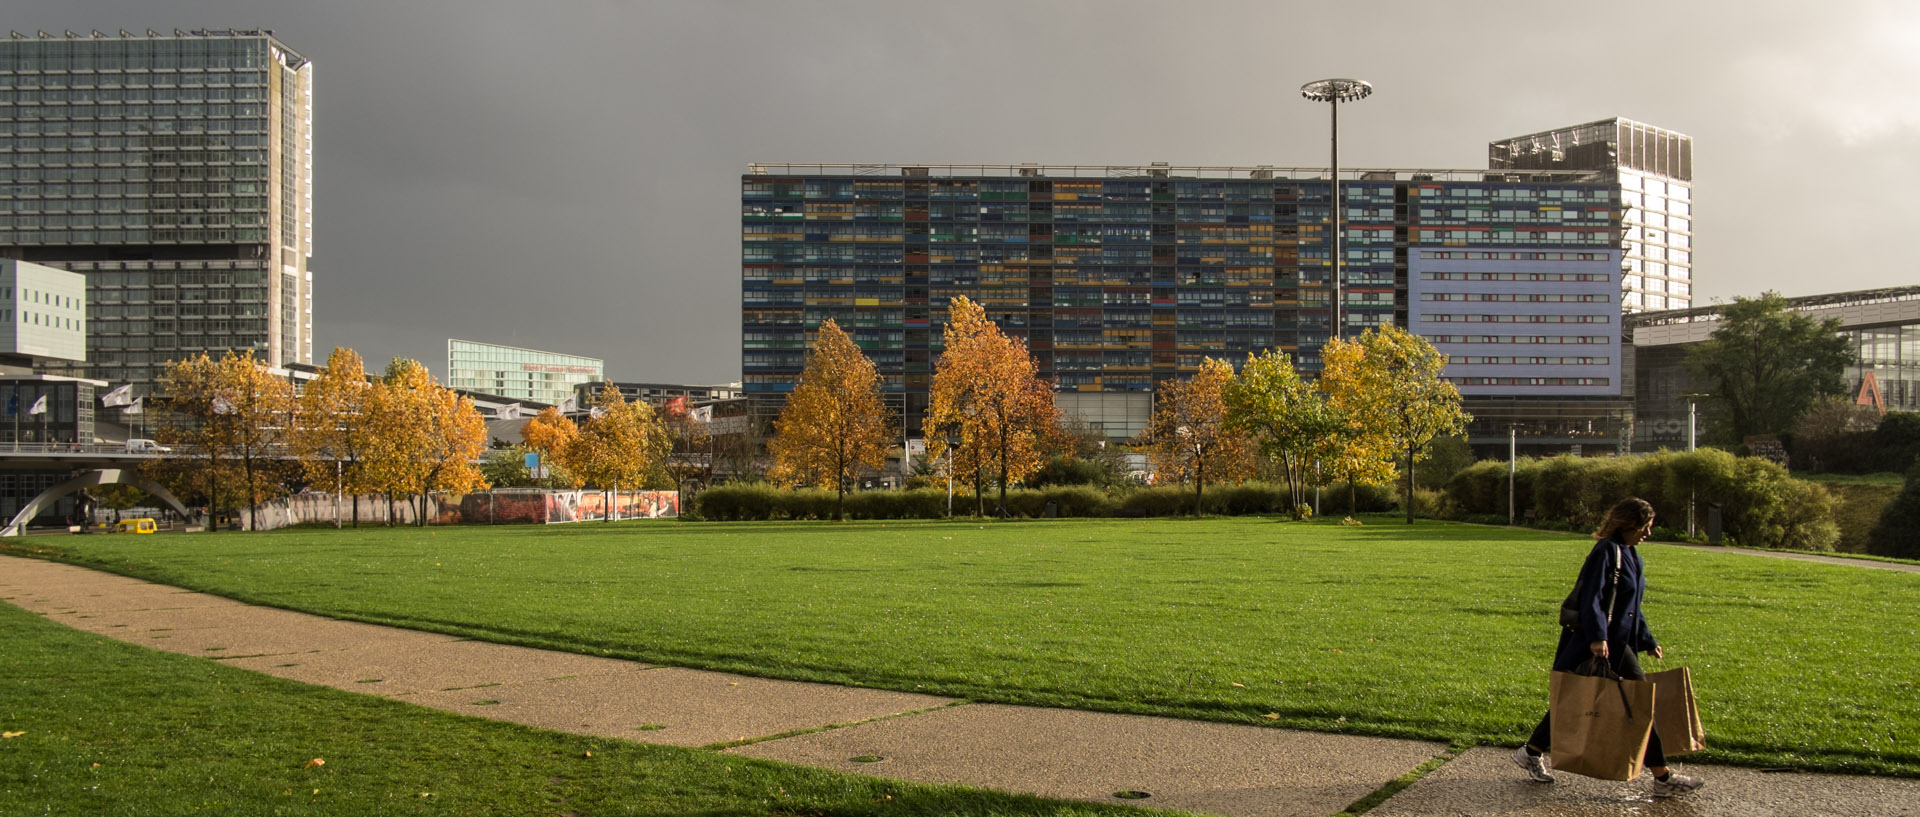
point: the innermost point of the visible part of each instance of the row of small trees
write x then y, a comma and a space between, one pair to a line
1379, 400
986, 396
621, 444
230, 420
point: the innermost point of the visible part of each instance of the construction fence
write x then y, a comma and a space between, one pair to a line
509, 506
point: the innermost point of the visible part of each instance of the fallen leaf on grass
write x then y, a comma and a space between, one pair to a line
1240, 685
11, 735
312, 763
1272, 716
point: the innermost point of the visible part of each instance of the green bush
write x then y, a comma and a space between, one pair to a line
1157, 500
1898, 533
1760, 504
1068, 500
761, 501
1860, 508
737, 501
1247, 498
1366, 499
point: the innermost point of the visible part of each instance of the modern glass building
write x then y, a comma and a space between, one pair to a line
1655, 171
1120, 277
526, 374
173, 170
1883, 326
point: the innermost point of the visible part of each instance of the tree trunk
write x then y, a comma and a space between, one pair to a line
213, 495
1002, 507
840, 485
253, 494
1409, 483
979, 495
356, 509
1199, 487
1353, 505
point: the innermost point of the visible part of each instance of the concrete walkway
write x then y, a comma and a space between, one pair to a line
1091, 756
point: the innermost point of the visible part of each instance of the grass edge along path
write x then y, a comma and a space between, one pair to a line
1802, 694
100, 727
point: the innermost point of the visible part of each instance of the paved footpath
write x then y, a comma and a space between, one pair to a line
1204, 767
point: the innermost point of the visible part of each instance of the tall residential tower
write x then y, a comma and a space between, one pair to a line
1655, 170
173, 170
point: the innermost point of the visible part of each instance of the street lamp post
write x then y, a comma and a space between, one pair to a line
1334, 92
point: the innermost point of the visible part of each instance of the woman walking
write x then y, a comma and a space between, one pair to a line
1607, 597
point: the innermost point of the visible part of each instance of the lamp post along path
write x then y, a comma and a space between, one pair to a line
1334, 92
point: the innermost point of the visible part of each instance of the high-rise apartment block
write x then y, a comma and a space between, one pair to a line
1120, 277
1654, 167
173, 170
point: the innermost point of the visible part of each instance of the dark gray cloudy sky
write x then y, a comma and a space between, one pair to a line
563, 175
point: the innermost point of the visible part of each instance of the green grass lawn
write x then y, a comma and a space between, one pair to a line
106, 728
1433, 631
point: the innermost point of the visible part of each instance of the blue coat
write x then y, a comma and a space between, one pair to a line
1628, 632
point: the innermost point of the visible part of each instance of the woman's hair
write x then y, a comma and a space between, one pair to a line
1633, 513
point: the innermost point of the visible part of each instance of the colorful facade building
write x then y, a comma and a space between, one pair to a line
1120, 277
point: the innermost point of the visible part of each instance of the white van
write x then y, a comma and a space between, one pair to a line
141, 446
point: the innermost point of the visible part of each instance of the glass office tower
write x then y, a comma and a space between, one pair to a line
525, 374
1120, 277
175, 172
1655, 171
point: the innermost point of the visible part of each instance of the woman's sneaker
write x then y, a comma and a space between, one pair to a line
1675, 785
1536, 765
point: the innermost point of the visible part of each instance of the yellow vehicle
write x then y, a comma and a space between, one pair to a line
141, 525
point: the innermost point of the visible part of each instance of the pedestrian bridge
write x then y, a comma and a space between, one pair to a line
92, 464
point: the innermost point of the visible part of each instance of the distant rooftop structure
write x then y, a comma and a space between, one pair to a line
1150, 171
1609, 144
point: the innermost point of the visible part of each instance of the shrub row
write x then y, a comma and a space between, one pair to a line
760, 501
1761, 505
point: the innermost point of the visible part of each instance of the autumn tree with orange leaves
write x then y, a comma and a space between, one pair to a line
987, 389
333, 434
425, 436
231, 413
551, 434
1190, 439
834, 423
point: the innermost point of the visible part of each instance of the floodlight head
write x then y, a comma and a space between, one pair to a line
1336, 90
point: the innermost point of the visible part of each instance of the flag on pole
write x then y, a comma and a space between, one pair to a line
121, 396
571, 404
133, 407
703, 414
221, 405
39, 406
13, 403
597, 412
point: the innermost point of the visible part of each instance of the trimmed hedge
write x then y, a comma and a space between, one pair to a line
761, 501
1760, 504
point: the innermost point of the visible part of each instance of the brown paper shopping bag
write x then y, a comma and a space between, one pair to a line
1600, 725
1675, 715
